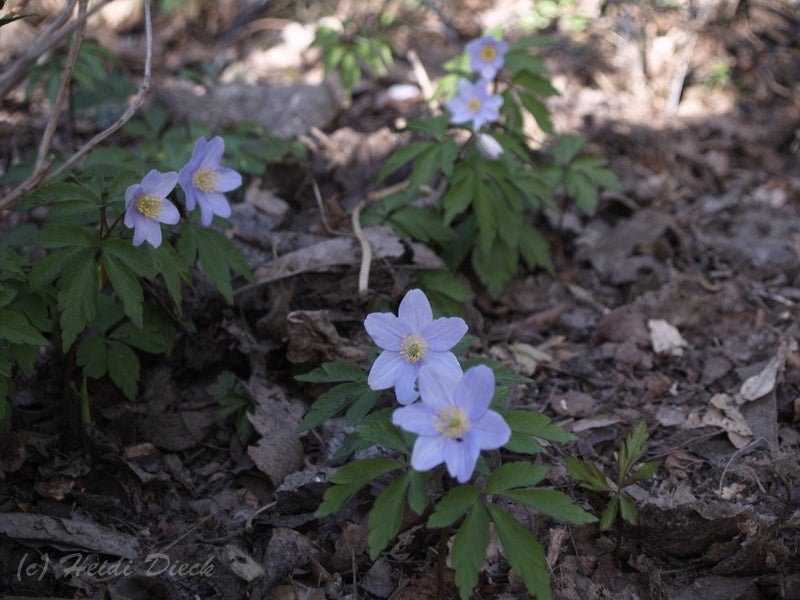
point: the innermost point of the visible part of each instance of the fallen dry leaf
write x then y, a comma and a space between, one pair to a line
665, 338
763, 383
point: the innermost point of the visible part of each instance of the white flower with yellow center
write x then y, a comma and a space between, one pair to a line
453, 422
486, 56
146, 207
474, 103
204, 181
411, 340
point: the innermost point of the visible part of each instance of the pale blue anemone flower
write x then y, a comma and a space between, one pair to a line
203, 180
146, 207
453, 422
411, 340
486, 56
474, 103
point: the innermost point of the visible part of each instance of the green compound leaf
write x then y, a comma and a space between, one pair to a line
553, 503
335, 400
65, 236
77, 301
91, 356
588, 474
127, 287
627, 509
425, 166
123, 367
534, 249
514, 475
523, 552
461, 193
351, 478
454, 504
633, 448
483, 204
539, 110
609, 515
401, 156
469, 549
139, 259
15, 328
387, 515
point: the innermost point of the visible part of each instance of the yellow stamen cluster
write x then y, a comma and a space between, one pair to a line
205, 180
451, 422
474, 104
488, 53
413, 348
149, 206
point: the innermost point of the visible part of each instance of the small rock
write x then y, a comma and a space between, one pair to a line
573, 404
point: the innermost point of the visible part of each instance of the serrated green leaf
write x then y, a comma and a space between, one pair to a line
333, 401
387, 515
418, 491
363, 471
503, 375
218, 256
56, 264
534, 83
644, 472
515, 475
523, 552
484, 206
123, 367
425, 165
446, 283
536, 424
454, 504
138, 259
15, 328
627, 509
460, 195
495, 268
173, 270
469, 549
91, 356
587, 473
567, 149
534, 249
609, 515
335, 371
383, 433
361, 406
538, 110
553, 503
77, 301
435, 126
127, 288
580, 187
521, 443
401, 156
156, 336
68, 236
633, 448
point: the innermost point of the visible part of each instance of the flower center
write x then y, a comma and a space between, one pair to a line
488, 53
413, 348
474, 104
205, 179
149, 206
451, 422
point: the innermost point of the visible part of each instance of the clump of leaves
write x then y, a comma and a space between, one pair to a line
351, 49
229, 392
621, 507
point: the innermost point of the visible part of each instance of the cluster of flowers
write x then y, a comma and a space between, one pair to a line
203, 181
474, 102
452, 421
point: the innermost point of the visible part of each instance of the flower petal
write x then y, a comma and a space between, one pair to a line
169, 213
386, 330
417, 418
213, 152
475, 391
405, 380
191, 198
445, 363
382, 373
415, 310
227, 179
490, 431
444, 333
152, 231
206, 212
129, 214
437, 386
219, 204
139, 233
199, 150
461, 457
131, 194
428, 452
165, 184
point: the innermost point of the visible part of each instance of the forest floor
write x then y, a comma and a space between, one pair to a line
676, 305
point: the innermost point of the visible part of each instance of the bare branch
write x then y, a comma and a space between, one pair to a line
63, 89
40, 174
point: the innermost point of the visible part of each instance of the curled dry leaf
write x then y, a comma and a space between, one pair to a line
763, 383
